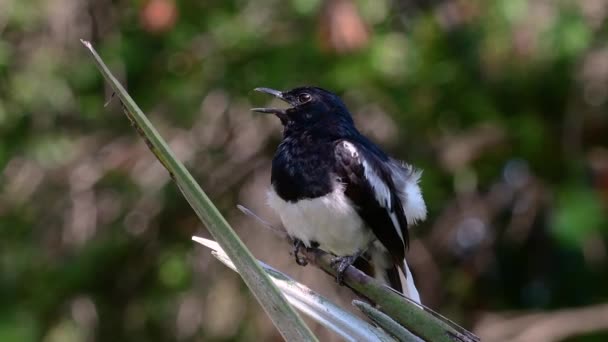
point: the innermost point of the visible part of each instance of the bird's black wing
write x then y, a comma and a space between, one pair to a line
368, 184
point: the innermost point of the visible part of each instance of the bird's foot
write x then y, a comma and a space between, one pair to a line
297, 246
341, 263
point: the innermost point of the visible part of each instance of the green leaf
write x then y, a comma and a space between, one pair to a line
386, 322
579, 214
282, 314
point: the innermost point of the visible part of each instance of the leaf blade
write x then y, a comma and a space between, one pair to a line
285, 318
317, 307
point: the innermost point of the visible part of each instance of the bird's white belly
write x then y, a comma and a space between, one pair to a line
330, 220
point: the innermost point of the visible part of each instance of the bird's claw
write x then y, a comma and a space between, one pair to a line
297, 246
340, 264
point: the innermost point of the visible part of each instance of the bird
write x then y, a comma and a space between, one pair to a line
334, 189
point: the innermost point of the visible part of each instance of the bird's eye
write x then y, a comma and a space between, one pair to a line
303, 98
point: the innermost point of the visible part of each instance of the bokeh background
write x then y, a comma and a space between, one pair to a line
502, 103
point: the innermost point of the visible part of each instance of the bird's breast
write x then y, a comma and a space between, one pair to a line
330, 220
303, 169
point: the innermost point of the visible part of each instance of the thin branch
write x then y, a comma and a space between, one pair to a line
418, 319
280, 232
317, 307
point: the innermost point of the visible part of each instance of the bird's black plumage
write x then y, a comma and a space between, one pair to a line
322, 152
360, 191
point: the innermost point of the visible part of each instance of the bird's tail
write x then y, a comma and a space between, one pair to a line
399, 277
407, 283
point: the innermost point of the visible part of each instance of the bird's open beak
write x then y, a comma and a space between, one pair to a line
281, 113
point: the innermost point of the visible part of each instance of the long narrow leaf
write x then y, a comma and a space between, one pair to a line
283, 315
387, 323
317, 307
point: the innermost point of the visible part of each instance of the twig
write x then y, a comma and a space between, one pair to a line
110, 100
280, 232
418, 319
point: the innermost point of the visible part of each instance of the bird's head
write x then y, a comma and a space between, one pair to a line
308, 106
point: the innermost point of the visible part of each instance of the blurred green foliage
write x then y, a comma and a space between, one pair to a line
502, 103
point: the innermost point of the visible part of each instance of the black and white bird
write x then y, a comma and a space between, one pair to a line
336, 190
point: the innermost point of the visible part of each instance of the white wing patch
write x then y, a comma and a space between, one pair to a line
383, 194
381, 191
406, 180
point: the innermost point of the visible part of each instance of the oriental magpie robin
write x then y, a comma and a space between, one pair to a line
334, 189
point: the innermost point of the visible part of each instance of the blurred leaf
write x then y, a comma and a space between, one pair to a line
17, 326
173, 271
579, 214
